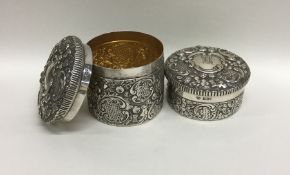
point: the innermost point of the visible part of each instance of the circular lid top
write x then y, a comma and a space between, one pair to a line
207, 71
64, 80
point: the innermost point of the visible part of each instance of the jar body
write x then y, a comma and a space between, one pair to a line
203, 110
127, 83
126, 102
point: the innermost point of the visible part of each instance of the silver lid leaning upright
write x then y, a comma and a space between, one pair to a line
64, 81
209, 81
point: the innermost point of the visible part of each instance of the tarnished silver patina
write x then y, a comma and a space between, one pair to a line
64, 81
206, 83
127, 100
123, 73
126, 96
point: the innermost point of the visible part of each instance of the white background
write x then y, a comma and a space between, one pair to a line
256, 140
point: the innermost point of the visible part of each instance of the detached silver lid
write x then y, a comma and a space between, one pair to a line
64, 81
206, 71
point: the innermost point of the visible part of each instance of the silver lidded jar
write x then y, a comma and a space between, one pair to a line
128, 78
206, 83
122, 74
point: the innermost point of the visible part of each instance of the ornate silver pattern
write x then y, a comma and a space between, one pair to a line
202, 110
63, 78
126, 102
207, 71
206, 83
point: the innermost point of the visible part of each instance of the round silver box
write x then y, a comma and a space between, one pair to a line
206, 83
127, 83
123, 73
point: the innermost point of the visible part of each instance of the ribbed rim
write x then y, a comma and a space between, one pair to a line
183, 88
75, 80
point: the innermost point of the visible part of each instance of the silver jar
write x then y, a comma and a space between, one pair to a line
206, 83
123, 73
128, 78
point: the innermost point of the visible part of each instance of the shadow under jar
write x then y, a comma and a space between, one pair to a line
127, 83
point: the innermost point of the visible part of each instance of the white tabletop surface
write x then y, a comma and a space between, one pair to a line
256, 140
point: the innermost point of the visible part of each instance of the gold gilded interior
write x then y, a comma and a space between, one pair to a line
121, 50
